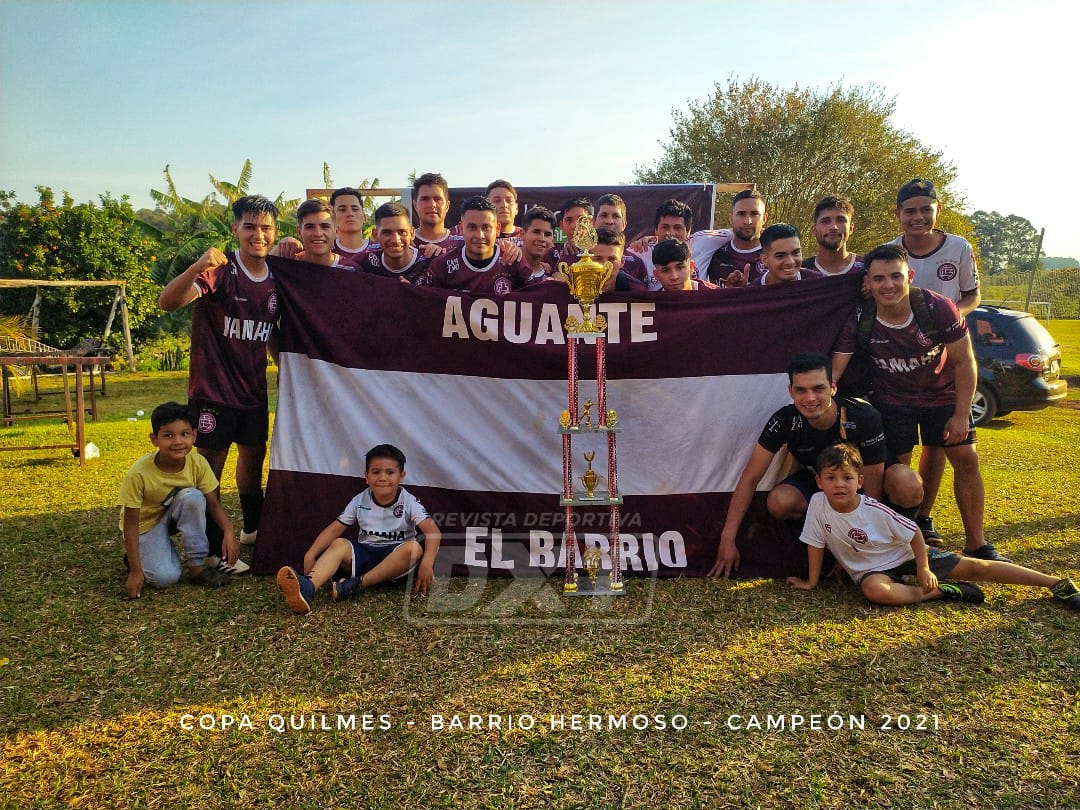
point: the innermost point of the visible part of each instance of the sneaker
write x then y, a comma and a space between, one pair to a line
298, 590
345, 589
210, 577
1067, 592
961, 592
986, 552
929, 533
248, 538
222, 565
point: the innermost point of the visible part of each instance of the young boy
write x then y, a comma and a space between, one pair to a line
673, 269
388, 517
878, 548
170, 490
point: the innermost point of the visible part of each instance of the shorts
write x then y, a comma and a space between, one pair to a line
366, 556
219, 425
805, 481
904, 425
941, 564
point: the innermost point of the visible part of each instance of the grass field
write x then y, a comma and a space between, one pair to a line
96, 688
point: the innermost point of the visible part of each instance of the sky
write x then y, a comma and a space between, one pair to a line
101, 95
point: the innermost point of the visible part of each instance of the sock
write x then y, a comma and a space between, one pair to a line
214, 535
251, 505
903, 511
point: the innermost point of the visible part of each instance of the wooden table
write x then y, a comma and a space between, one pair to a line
65, 361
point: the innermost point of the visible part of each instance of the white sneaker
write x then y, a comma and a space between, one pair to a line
238, 567
248, 538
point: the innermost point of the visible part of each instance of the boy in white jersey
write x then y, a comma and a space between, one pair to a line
879, 549
388, 517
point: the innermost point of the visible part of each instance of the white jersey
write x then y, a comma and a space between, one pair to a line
384, 525
870, 538
703, 244
949, 270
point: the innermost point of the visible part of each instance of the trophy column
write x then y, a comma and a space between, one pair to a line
586, 278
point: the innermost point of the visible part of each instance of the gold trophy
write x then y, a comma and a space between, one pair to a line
590, 479
591, 559
586, 278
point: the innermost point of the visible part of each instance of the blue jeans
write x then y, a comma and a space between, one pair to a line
186, 515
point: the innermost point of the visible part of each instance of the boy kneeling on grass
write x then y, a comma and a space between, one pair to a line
388, 517
878, 548
167, 491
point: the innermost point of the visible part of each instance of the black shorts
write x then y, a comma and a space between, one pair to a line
905, 425
941, 564
219, 425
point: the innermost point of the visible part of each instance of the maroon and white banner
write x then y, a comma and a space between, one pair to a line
471, 390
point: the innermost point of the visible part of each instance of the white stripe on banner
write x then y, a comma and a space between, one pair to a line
679, 435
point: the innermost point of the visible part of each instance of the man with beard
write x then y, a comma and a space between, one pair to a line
833, 224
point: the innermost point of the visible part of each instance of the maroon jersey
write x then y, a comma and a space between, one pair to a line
909, 367
513, 235
855, 265
231, 322
373, 262
350, 256
454, 271
634, 267
561, 253
448, 242
728, 258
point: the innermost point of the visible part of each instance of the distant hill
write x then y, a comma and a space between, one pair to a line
1057, 262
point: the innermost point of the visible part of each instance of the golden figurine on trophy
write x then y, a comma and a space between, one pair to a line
586, 278
590, 479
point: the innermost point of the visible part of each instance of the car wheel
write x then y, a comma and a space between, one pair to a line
983, 405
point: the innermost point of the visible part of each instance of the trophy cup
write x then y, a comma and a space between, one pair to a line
586, 278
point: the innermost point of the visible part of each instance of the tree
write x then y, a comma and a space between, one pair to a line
800, 145
72, 242
186, 228
1005, 242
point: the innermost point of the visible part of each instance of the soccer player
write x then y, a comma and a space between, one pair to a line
611, 213
537, 240
572, 210
815, 419
504, 197
673, 220
431, 201
609, 248
235, 308
673, 268
395, 257
732, 257
781, 256
315, 225
477, 266
942, 262
834, 222
924, 377
349, 219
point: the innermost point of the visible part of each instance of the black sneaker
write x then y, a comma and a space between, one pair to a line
929, 533
986, 552
210, 577
1067, 592
961, 592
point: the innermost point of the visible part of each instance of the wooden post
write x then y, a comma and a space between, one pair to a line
126, 327
80, 415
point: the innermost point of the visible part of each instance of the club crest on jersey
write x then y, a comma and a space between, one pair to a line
502, 285
923, 339
947, 271
272, 303
857, 536
399, 510
828, 528
207, 422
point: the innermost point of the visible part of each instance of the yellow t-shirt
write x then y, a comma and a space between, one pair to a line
146, 485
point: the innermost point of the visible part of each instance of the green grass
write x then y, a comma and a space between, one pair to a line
95, 685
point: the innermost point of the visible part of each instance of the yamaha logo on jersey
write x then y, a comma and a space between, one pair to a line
207, 422
502, 285
399, 510
857, 536
271, 303
947, 271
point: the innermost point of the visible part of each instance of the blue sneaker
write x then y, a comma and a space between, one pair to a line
298, 590
345, 589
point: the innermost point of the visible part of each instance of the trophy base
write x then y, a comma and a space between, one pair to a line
603, 587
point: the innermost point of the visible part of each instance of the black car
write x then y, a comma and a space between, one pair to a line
1019, 363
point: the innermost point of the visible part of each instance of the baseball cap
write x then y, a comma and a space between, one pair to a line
915, 188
